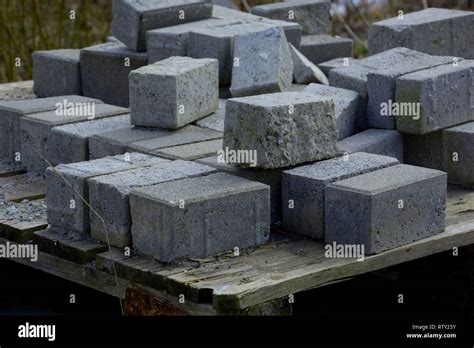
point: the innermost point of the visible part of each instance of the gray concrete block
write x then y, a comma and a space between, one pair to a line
217, 42
443, 95
281, 129
376, 141
56, 72
192, 151
270, 177
12, 111
215, 121
435, 31
303, 189
336, 63
65, 192
297, 88
105, 69
186, 135
264, 65
458, 157
387, 208
424, 150
321, 48
313, 15
36, 130
109, 196
346, 111
132, 19
221, 212
70, 143
173, 92
381, 85
304, 71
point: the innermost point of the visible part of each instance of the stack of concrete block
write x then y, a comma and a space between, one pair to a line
336, 63
303, 189
347, 115
56, 73
264, 63
313, 15
36, 129
67, 190
435, 31
321, 48
105, 69
283, 129
387, 208
12, 111
199, 217
174, 92
109, 197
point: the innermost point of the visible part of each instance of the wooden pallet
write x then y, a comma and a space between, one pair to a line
257, 282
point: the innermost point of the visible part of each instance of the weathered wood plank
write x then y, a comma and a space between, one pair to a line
21, 231
31, 192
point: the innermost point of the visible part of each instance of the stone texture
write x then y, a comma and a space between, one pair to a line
303, 189
304, 71
221, 212
283, 129
109, 196
132, 19
424, 150
444, 94
70, 143
346, 107
215, 121
321, 48
12, 111
435, 31
376, 141
105, 69
336, 63
66, 209
192, 151
36, 131
174, 92
458, 157
366, 209
265, 63
56, 72
313, 15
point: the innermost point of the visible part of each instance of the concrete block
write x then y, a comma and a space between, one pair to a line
109, 196
36, 129
442, 95
303, 189
174, 92
321, 48
132, 19
424, 150
65, 192
215, 121
271, 177
381, 86
376, 141
297, 88
70, 143
186, 135
435, 31
281, 129
458, 157
191, 152
265, 63
313, 15
105, 69
217, 42
304, 71
346, 107
221, 212
12, 111
387, 208
56, 72
336, 63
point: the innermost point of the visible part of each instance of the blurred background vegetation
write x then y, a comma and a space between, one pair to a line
29, 25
